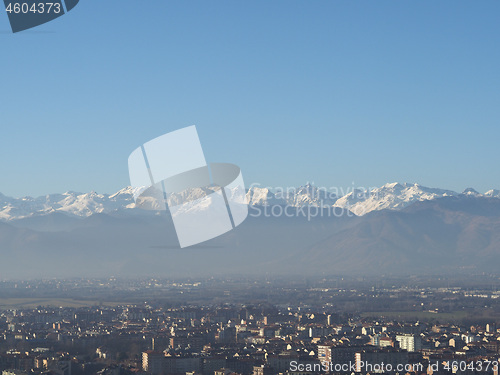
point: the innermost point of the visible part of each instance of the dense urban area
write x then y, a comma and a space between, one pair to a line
414, 325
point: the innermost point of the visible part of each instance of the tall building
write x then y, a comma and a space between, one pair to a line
325, 353
344, 354
371, 361
153, 362
337, 354
375, 340
329, 320
411, 343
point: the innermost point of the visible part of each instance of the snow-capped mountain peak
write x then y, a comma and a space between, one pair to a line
392, 196
493, 193
257, 196
310, 195
471, 192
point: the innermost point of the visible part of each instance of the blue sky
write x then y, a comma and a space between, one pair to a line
330, 92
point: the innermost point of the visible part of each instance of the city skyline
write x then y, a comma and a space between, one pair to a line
230, 326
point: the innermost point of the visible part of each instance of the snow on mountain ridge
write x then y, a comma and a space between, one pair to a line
472, 192
257, 196
71, 203
493, 193
393, 196
310, 195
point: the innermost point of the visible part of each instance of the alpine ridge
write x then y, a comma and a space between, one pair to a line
391, 196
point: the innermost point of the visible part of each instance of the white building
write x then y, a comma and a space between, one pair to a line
411, 343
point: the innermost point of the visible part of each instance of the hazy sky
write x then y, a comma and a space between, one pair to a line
332, 92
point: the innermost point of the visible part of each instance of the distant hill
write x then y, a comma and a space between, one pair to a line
451, 234
457, 233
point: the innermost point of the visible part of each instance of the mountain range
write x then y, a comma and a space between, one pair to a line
397, 229
392, 196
